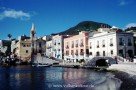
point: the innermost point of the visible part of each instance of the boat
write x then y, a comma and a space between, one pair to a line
41, 65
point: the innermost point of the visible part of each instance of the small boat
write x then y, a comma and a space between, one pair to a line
41, 65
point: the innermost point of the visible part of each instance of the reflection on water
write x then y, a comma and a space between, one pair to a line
55, 78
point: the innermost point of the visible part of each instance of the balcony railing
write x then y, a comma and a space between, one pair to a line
49, 47
76, 54
81, 44
72, 46
76, 45
81, 53
67, 47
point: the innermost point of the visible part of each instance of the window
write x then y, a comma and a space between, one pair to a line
76, 43
26, 51
103, 43
111, 52
67, 47
120, 41
72, 44
76, 52
58, 43
24, 45
81, 44
72, 52
40, 45
90, 53
90, 45
87, 51
28, 45
111, 42
81, 52
97, 44
97, 54
129, 42
103, 53
67, 52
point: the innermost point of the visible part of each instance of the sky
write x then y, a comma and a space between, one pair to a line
52, 16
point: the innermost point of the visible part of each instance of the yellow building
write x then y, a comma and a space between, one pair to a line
25, 45
23, 50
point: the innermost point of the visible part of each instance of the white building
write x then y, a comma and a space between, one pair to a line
23, 48
49, 52
57, 43
109, 42
2, 47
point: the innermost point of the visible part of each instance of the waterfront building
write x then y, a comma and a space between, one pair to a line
76, 47
2, 47
25, 45
49, 52
5, 47
40, 46
13, 46
133, 30
57, 45
111, 42
23, 48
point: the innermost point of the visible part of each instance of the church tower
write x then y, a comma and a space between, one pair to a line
33, 32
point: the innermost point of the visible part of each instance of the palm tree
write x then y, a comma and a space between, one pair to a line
9, 36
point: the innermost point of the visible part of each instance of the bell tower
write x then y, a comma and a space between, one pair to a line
33, 32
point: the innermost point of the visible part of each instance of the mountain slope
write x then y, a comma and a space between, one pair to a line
84, 26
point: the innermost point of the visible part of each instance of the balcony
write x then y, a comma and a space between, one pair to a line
81, 45
76, 54
76, 45
49, 47
67, 47
81, 53
72, 46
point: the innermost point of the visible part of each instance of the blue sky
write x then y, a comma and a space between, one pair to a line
51, 16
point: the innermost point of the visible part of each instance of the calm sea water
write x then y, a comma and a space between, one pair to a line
55, 78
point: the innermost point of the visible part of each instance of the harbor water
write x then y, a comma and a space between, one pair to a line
56, 78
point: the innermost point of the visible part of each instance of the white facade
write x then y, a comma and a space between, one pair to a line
49, 48
13, 46
57, 46
107, 42
2, 48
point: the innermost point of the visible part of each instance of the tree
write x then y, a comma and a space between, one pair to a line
9, 36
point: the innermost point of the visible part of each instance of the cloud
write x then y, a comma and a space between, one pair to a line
11, 13
131, 25
122, 3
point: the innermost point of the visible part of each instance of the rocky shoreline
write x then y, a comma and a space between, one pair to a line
128, 81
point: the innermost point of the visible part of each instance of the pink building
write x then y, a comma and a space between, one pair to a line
76, 47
